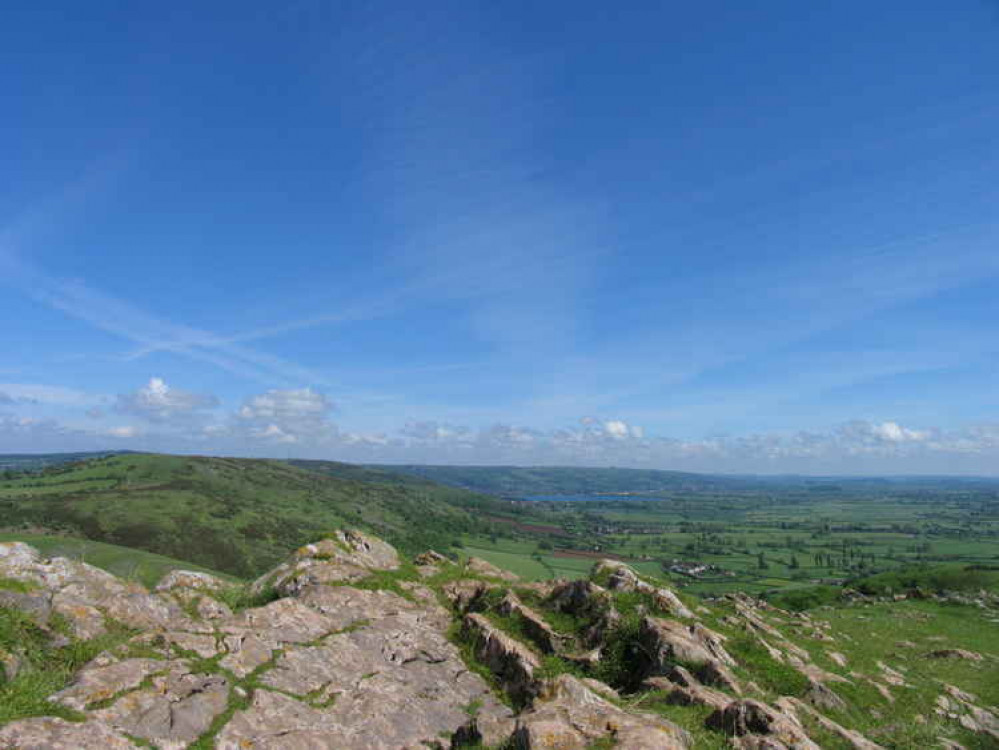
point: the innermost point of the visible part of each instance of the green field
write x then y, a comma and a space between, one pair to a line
755, 541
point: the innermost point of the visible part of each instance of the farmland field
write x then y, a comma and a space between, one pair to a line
758, 540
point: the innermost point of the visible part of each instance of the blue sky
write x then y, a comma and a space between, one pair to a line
715, 236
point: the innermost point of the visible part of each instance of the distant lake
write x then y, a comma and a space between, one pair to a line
587, 498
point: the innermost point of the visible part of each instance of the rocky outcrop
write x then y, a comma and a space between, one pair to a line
513, 663
856, 740
535, 628
589, 602
480, 567
568, 715
665, 644
620, 577
954, 653
84, 595
759, 724
344, 556
324, 666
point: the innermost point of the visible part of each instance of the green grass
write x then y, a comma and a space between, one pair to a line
43, 670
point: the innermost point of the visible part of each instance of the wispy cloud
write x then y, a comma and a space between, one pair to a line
121, 318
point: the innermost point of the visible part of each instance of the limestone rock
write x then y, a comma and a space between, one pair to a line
281, 621
855, 739
348, 555
539, 631
464, 593
587, 601
98, 682
954, 653
511, 661
58, 734
822, 696
483, 568
666, 643
623, 578
176, 709
430, 557
191, 579
568, 715
751, 717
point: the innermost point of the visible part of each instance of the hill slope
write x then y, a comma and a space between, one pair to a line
235, 515
561, 480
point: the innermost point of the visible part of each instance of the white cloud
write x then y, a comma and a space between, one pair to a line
286, 416
125, 431
158, 402
895, 433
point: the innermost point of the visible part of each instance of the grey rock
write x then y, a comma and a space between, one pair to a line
539, 631
622, 578
483, 568
348, 555
667, 643
99, 681
568, 715
751, 717
282, 621
512, 662
173, 712
191, 579
58, 734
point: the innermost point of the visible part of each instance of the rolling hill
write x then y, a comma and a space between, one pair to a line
235, 515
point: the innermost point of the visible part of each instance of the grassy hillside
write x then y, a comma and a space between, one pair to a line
17, 462
451, 493
236, 515
560, 480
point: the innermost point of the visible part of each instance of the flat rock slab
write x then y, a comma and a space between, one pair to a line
96, 683
282, 621
172, 712
57, 734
